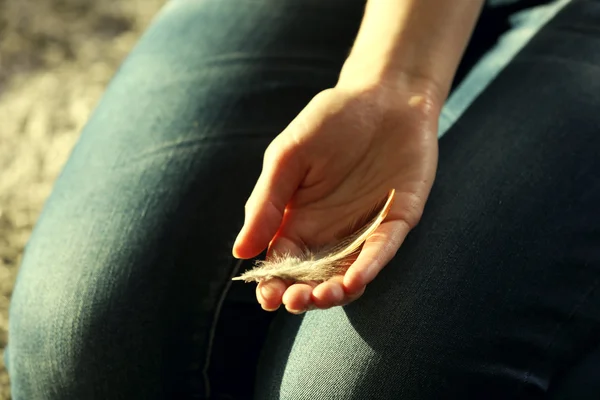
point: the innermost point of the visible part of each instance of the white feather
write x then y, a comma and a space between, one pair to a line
317, 266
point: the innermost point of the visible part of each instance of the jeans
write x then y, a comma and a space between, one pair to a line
125, 290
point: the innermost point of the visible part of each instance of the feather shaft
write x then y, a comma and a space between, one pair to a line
321, 265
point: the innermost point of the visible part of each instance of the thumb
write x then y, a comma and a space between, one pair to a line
281, 175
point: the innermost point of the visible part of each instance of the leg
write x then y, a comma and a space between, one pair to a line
123, 281
112, 286
495, 294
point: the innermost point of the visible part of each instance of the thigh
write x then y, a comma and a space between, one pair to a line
122, 284
495, 293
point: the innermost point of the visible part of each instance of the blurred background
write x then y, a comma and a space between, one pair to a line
56, 57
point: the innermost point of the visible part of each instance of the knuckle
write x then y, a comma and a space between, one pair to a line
276, 151
412, 211
271, 150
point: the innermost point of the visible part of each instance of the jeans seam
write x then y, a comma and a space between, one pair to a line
213, 327
580, 303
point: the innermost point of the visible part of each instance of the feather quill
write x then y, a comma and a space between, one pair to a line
319, 266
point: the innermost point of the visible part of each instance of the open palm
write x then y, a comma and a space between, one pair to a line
331, 165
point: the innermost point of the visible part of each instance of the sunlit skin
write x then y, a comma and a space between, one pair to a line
374, 131
321, 191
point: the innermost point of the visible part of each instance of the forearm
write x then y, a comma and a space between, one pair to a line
411, 39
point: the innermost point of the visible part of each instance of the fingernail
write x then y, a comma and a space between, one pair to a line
266, 291
269, 309
297, 312
246, 214
352, 284
237, 240
346, 282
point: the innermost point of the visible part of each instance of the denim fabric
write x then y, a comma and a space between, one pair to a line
495, 294
125, 291
123, 280
524, 26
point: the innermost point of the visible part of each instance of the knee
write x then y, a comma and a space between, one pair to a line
329, 355
62, 327
83, 320
44, 340
317, 356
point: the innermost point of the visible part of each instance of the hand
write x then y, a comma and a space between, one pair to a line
336, 160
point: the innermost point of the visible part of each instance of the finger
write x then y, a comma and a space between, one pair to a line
280, 177
286, 245
349, 298
329, 293
377, 251
269, 293
297, 297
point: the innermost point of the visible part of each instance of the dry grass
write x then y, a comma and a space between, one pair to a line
56, 57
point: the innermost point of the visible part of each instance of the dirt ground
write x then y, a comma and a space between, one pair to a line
56, 57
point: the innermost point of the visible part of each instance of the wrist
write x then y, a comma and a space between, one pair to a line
414, 44
394, 84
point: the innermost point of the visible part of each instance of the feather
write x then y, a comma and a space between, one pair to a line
321, 265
